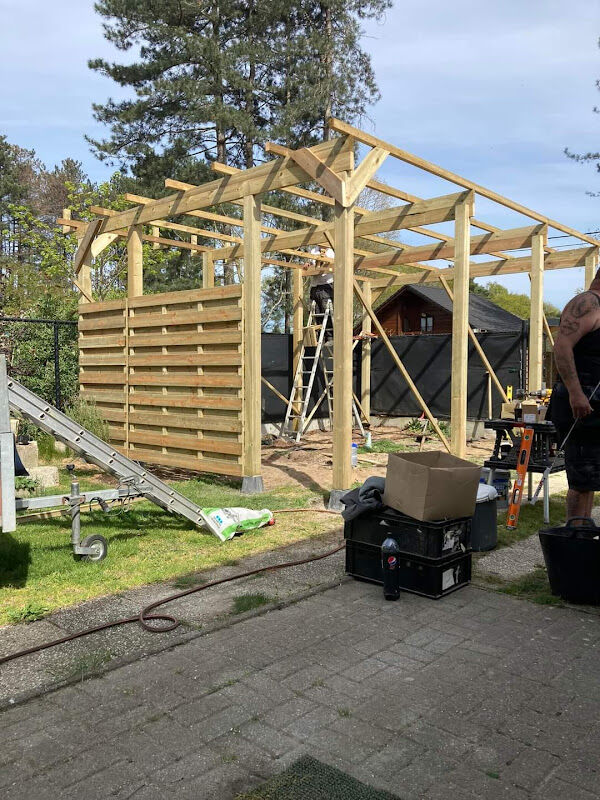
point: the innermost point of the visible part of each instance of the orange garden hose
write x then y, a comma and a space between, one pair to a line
144, 617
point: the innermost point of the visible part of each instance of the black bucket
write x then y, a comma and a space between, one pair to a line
572, 556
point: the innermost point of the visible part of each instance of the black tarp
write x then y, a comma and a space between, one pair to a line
428, 359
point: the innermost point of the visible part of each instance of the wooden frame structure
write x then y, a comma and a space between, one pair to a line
366, 262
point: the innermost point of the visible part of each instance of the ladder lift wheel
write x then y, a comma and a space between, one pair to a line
98, 544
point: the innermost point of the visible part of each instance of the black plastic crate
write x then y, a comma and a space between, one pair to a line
417, 575
426, 539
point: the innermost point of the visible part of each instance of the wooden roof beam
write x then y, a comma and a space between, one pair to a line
440, 172
566, 259
438, 209
514, 239
277, 174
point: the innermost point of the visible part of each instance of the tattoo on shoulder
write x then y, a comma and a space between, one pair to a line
578, 308
569, 326
583, 304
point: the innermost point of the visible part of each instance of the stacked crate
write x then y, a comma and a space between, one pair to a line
435, 557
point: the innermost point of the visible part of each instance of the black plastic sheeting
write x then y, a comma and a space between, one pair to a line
428, 359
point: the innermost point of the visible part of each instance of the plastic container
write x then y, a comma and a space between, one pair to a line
354, 456
485, 475
484, 529
572, 556
427, 577
501, 483
427, 539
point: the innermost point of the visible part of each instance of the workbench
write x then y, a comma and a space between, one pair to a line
543, 453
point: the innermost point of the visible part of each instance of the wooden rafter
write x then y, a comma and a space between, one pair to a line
440, 172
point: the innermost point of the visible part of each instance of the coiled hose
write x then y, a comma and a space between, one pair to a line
145, 615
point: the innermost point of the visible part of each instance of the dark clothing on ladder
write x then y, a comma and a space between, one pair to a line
582, 450
321, 294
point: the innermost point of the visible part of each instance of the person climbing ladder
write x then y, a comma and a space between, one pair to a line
321, 288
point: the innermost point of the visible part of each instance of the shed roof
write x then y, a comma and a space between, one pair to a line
483, 314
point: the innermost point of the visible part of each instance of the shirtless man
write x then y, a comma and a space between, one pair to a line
577, 357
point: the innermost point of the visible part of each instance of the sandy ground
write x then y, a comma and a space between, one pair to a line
309, 463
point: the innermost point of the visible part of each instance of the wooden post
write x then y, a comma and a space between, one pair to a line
591, 265
135, 263
156, 234
460, 330
343, 275
252, 481
365, 363
536, 323
208, 270
297, 325
85, 277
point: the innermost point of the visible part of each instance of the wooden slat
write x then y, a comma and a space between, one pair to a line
216, 466
105, 342
176, 400
99, 397
230, 314
232, 381
230, 336
186, 421
102, 323
105, 305
221, 358
102, 377
104, 360
225, 446
191, 296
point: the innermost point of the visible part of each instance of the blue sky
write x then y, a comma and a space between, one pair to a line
491, 90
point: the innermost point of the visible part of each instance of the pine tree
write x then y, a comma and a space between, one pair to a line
215, 80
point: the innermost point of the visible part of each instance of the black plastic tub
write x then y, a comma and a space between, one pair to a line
432, 578
427, 539
572, 556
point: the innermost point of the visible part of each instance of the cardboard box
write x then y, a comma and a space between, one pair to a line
508, 411
530, 412
431, 486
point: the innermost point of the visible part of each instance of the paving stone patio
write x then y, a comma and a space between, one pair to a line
478, 695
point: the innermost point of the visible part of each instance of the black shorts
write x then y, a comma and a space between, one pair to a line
582, 450
582, 460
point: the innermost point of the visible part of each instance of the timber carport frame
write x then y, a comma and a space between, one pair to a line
365, 262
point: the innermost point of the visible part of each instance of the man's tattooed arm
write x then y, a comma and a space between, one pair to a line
581, 316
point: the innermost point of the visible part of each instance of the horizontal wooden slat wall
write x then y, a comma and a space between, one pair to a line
179, 360
102, 357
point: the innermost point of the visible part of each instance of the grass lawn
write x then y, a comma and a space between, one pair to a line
38, 573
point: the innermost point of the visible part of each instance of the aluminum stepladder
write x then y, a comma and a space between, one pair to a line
516, 499
296, 421
135, 480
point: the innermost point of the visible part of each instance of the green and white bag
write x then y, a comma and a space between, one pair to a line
226, 522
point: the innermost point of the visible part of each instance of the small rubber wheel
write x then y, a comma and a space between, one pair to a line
98, 544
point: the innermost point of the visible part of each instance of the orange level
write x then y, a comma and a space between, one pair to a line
514, 509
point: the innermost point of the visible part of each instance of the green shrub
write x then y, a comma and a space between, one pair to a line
87, 415
26, 484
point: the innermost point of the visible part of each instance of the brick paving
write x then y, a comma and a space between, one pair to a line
478, 695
